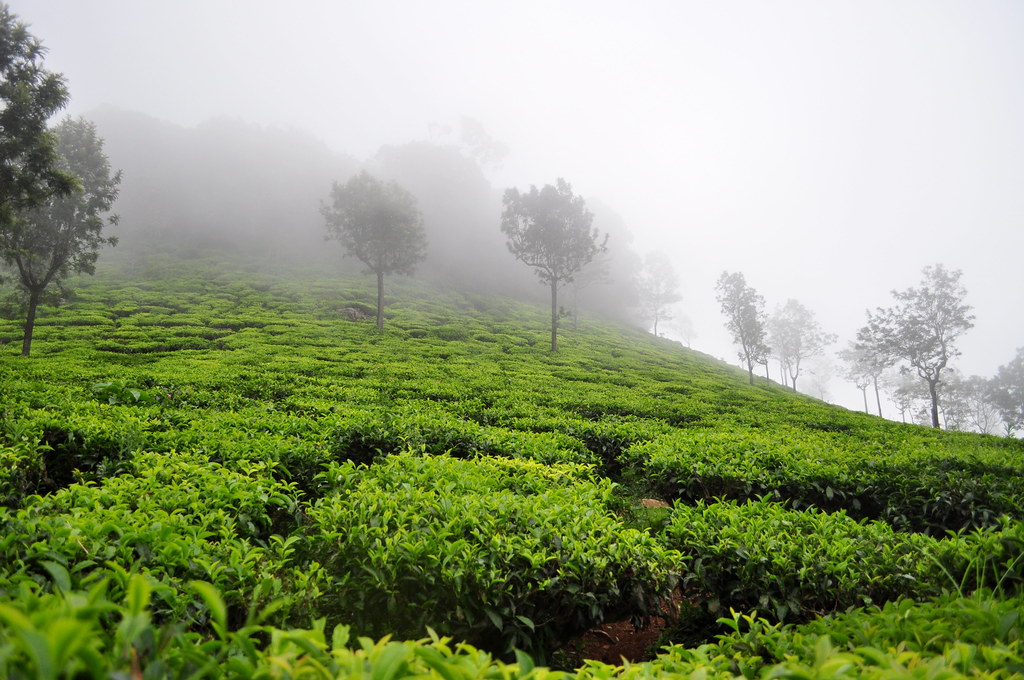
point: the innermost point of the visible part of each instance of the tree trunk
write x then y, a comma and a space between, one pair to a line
864, 391
554, 316
767, 378
380, 300
933, 391
750, 371
30, 321
878, 399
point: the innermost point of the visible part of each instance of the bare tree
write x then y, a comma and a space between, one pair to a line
744, 318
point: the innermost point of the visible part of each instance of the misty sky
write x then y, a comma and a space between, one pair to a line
828, 150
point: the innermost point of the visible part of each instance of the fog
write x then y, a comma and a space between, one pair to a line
828, 150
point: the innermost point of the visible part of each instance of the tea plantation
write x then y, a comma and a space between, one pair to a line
212, 470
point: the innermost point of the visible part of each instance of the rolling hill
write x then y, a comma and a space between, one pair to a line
217, 468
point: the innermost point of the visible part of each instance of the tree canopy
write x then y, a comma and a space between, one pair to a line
29, 96
744, 318
1006, 392
378, 223
922, 328
796, 335
658, 287
550, 230
65, 233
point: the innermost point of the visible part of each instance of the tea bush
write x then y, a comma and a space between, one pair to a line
300, 469
910, 487
505, 554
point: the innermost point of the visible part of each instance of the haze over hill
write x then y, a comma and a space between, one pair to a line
828, 151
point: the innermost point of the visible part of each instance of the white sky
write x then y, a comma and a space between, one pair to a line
828, 150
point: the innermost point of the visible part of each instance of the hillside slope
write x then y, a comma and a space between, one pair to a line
214, 448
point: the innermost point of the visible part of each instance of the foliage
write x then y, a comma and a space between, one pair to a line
550, 230
796, 565
94, 634
64, 234
421, 477
1007, 392
922, 329
795, 335
744, 318
658, 287
865, 366
500, 553
967, 404
951, 637
30, 95
898, 479
379, 224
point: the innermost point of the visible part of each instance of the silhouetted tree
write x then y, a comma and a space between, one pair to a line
64, 234
1006, 392
966, 404
744, 318
658, 287
592, 274
905, 392
795, 335
922, 328
550, 230
29, 96
865, 364
820, 372
379, 224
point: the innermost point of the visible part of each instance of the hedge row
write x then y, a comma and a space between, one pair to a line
912, 486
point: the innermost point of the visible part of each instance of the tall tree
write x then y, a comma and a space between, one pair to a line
658, 287
795, 335
64, 234
865, 366
550, 230
966, 404
1006, 392
379, 224
922, 328
905, 392
29, 96
744, 318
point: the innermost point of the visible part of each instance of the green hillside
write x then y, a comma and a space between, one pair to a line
211, 469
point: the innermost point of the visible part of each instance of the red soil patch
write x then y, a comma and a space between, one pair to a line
613, 642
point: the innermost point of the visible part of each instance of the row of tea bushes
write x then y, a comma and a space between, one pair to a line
502, 553
92, 635
951, 637
794, 565
910, 484
173, 518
